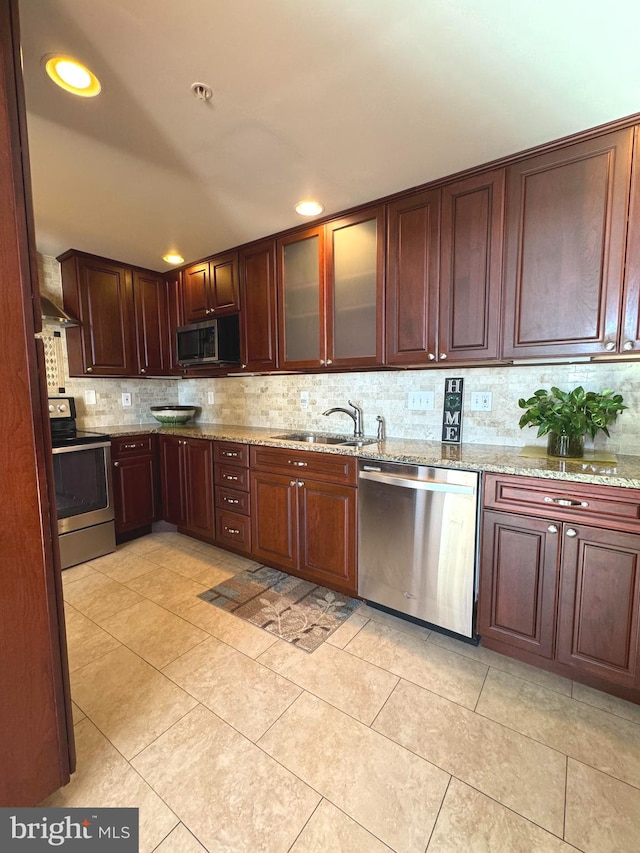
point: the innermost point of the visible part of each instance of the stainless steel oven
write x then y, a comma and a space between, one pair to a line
83, 490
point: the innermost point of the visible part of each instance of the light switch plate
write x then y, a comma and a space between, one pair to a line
211, 398
126, 399
90, 398
304, 399
420, 401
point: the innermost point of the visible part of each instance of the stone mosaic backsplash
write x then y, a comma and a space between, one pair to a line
274, 401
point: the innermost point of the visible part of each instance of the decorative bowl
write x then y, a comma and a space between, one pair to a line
173, 415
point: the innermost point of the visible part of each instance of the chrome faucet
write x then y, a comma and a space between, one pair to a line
356, 416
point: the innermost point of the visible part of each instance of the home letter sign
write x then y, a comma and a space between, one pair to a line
452, 411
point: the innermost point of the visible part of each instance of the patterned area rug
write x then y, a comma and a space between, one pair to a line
295, 610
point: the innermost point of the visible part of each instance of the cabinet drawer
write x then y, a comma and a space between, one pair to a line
329, 467
132, 445
233, 530
234, 478
611, 506
232, 500
231, 453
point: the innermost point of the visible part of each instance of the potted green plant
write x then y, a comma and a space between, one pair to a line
567, 416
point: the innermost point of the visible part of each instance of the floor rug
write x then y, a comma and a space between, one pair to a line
295, 610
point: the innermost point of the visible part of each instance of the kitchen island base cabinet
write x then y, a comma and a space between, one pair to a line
558, 593
186, 468
304, 515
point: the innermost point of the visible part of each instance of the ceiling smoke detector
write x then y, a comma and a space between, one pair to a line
201, 91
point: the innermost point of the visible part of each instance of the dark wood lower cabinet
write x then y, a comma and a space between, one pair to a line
599, 605
303, 508
186, 466
135, 485
561, 594
519, 581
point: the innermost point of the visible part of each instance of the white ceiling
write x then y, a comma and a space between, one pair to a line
342, 100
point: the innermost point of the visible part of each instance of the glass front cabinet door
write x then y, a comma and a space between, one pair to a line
331, 293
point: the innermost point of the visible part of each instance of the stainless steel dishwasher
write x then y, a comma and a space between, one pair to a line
417, 542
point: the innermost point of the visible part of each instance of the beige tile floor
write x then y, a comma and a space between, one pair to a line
387, 737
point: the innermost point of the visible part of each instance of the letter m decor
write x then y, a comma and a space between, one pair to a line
452, 411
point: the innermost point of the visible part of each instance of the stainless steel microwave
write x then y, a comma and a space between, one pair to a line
210, 342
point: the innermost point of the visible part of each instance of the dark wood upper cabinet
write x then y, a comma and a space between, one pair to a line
99, 293
152, 319
258, 318
210, 288
471, 268
331, 286
413, 227
302, 336
565, 248
173, 287
630, 327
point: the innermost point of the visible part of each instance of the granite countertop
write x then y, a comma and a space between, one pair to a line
499, 459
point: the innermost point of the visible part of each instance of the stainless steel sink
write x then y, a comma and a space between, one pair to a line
322, 438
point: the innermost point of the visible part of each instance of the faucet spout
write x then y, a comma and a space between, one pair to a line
355, 415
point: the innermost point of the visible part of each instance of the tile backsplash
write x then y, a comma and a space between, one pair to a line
274, 401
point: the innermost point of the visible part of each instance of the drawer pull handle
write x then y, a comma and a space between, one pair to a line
231, 530
298, 464
571, 532
228, 453
565, 502
229, 477
231, 501
552, 529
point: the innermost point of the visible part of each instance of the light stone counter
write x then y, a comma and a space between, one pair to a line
476, 457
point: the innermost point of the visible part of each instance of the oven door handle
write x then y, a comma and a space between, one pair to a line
73, 448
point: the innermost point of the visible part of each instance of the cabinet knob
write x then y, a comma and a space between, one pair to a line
142, 370
431, 356
628, 345
571, 532
443, 356
300, 482
552, 529
116, 464
89, 369
328, 362
243, 366
610, 346
322, 361
293, 482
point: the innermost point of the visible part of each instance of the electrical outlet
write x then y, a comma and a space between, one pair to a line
420, 401
126, 400
90, 398
481, 401
304, 399
211, 398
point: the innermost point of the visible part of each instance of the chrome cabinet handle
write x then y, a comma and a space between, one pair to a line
231, 501
297, 464
552, 529
232, 530
89, 369
443, 356
116, 464
431, 356
229, 477
328, 362
571, 532
300, 482
228, 453
296, 482
565, 502
322, 361
610, 346
142, 370
628, 345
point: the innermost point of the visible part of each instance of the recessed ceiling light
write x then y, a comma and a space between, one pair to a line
72, 75
308, 207
173, 258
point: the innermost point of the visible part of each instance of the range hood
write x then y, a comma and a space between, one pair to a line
54, 314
